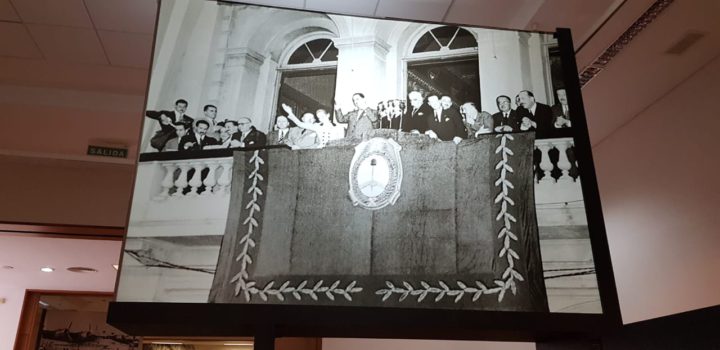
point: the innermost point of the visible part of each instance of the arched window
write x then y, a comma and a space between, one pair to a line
314, 51
307, 79
444, 39
444, 62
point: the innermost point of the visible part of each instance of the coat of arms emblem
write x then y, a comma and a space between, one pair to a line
375, 173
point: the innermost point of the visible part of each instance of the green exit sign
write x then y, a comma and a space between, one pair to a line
107, 151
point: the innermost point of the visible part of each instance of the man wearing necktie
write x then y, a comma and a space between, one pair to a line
444, 124
280, 134
506, 119
198, 139
415, 117
360, 120
561, 111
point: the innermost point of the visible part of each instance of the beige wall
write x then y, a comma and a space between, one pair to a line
40, 190
658, 178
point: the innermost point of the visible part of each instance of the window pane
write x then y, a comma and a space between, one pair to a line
462, 40
301, 55
331, 54
444, 34
307, 91
426, 44
459, 79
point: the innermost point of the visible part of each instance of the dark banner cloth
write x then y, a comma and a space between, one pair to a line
461, 235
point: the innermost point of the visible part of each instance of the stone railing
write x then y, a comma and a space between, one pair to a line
181, 194
556, 160
195, 177
558, 191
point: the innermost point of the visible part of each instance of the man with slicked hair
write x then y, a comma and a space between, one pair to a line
360, 120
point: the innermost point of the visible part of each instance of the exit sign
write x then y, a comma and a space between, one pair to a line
107, 151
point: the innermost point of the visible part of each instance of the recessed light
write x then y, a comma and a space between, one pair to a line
47, 269
81, 269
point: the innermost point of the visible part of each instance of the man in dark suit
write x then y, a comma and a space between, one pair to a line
537, 116
198, 139
167, 120
415, 117
444, 124
248, 135
360, 120
279, 136
561, 111
506, 119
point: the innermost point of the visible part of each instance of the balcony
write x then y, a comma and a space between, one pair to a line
181, 203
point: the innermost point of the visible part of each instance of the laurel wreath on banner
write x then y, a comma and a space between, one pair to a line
285, 289
476, 289
437, 291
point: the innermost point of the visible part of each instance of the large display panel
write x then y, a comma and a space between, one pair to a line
298, 158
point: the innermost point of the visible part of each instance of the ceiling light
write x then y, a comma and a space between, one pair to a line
81, 269
47, 269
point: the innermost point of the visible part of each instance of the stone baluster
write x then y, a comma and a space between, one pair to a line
225, 178
181, 181
210, 180
196, 180
563, 163
167, 181
545, 164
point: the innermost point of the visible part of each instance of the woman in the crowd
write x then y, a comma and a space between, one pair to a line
325, 129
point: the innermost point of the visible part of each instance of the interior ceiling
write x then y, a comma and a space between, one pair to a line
27, 255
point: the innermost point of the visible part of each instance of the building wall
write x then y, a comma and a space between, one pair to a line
660, 195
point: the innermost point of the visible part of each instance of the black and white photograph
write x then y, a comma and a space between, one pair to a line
296, 157
78, 323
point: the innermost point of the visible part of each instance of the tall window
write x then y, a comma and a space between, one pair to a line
444, 62
307, 80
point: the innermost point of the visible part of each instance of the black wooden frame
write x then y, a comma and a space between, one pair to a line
267, 322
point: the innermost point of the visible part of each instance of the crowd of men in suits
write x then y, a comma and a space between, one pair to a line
438, 117
182, 133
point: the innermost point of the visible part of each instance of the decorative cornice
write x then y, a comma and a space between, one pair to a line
590, 71
234, 57
364, 41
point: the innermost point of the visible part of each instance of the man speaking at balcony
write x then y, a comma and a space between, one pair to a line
360, 120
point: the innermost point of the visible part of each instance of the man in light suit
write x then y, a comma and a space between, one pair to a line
301, 138
360, 120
